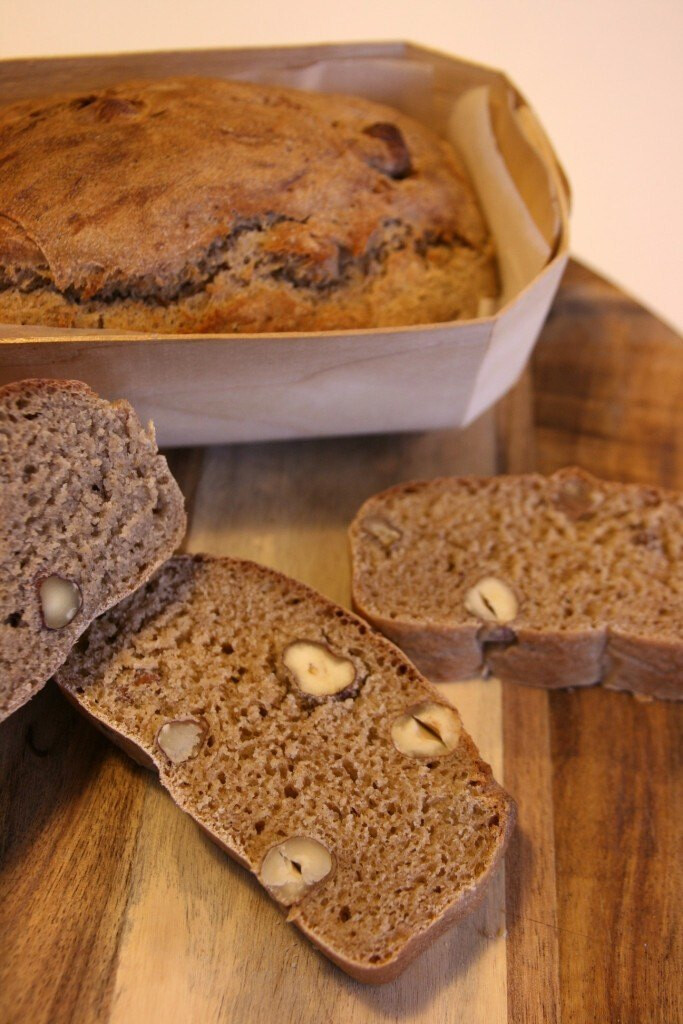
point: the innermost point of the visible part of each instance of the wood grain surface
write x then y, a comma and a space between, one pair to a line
114, 908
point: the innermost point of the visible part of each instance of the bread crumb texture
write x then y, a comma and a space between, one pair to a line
411, 839
566, 555
88, 505
202, 205
579, 551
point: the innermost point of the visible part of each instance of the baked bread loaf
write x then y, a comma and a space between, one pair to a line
203, 205
291, 733
88, 511
555, 581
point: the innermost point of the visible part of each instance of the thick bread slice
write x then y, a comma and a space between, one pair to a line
412, 840
592, 577
87, 502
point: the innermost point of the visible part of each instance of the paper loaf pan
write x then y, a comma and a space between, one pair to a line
204, 389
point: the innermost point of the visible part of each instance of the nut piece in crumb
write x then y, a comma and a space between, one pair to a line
576, 498
427, 730
60, 600
317, 670
290, 869
382, 530
491, 600
181, 739
395, 161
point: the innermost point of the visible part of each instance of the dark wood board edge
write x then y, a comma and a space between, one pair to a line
607, 394
69, 816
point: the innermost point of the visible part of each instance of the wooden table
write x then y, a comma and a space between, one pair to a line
113, 908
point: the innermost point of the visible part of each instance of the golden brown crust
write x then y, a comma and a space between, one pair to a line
201, 205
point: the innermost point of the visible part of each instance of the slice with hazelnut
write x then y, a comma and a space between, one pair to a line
182, 738
290, 869
317, 670
427, 730
492, 600
60, 601
384, 532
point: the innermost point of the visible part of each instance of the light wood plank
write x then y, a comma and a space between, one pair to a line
532, 921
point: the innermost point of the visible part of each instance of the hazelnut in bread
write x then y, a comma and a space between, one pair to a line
307, 746
89, 510
555, 581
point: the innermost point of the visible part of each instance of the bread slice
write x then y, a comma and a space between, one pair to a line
554, 581
89, 510
205, 675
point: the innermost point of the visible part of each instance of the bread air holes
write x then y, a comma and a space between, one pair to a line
13, 619
81, 102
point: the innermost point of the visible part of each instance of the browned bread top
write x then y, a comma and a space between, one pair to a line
196, 204
88, 511
562, 580
272, 716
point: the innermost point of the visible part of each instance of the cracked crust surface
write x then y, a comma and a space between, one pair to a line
202, 205
413, 841
595, 567
84, 495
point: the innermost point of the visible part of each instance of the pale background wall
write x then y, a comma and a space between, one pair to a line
605, 76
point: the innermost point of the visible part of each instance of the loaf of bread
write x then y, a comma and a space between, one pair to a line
203, 205
89, 510
554, 581
307, 746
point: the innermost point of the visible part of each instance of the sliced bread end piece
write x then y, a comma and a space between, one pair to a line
89, 512
554, 581
307, 746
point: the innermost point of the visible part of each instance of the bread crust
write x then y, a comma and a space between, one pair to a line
602, 652
149, 756
198, 205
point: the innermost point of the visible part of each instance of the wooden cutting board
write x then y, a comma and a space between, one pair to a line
114, 908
